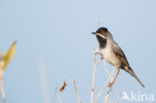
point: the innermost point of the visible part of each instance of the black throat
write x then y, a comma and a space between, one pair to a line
102, 41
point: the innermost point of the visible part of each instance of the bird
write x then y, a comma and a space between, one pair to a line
113, 54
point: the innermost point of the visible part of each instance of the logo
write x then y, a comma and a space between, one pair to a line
138, 97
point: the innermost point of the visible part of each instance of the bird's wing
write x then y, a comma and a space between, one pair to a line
119, 53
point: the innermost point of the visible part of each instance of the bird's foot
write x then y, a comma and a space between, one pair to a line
100, 55
110, 84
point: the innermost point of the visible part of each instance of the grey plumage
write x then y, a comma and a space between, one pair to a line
112, 52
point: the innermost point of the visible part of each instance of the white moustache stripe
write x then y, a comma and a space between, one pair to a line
101, 35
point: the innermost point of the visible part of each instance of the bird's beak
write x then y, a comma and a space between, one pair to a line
94, 33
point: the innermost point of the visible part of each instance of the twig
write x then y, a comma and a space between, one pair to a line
2, 90
75, 88
103, 88
109, 88
105, 99
93, 79
59, 97
98, 21
95, 54
44, 83
117, 101
54, 94
112, 94
101, 91
105, 66
61, 90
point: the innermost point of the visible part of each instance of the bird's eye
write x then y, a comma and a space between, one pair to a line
102, 32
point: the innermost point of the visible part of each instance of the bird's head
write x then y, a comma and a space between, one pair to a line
102, 32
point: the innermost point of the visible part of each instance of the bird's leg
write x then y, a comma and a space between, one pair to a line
100, 55
112, 83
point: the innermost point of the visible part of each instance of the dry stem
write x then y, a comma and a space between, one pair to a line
111, 97
103, 88
94, 74
44, 83
117, 101
59, 97
75, 88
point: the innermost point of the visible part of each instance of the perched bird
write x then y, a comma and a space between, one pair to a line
113, 54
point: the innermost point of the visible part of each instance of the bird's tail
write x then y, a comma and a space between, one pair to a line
129, 70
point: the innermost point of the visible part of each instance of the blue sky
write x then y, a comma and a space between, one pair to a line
58, 32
